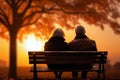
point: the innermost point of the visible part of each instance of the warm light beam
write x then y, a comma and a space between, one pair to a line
31, 43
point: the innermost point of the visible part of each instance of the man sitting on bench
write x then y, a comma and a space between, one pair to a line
82, 43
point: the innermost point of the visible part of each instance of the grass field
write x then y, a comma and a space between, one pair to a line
25, 74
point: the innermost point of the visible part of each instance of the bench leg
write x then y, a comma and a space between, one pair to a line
104, 75
98, 75
35, 75
58, 75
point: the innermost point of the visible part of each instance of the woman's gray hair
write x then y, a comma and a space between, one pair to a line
58, 32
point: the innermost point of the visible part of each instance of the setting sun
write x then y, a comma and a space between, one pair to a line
31, 43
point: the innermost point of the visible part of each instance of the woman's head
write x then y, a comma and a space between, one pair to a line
58, 32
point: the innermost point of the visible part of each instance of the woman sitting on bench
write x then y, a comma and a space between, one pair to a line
57, 43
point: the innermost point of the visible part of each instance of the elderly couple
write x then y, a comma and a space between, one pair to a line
80, 43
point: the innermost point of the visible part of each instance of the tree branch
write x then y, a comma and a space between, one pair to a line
5, 21
31, 22
27, 7
69, 12
8, 2
19, 3
31, 15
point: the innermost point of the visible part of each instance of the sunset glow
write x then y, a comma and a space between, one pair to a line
31, 43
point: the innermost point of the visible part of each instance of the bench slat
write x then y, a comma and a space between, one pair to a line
45, 69
68, 57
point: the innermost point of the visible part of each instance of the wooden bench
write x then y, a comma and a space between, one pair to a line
68, 57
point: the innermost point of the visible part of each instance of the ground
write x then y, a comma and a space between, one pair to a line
25, 74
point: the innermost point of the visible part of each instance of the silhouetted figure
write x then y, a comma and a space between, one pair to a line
82, 43
57, 43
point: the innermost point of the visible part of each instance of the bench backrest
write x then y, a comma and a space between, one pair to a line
67, 57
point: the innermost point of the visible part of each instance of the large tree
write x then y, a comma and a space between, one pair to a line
41, 16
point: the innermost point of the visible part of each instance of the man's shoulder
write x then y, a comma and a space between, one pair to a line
75, 40
82, 40
90, 39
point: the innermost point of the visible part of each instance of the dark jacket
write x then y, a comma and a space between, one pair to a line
56, 44
82, 43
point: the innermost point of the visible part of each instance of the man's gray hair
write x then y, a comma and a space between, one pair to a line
80, 30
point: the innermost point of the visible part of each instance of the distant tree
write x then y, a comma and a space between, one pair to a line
108, 65
3, 63
116, 66
40, 17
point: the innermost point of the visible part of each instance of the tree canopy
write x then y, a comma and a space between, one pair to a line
43, 15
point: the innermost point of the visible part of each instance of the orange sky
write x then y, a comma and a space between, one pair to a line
105, 40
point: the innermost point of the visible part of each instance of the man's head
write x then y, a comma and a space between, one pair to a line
80, 30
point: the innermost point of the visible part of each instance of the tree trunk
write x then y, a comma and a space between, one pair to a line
12, 57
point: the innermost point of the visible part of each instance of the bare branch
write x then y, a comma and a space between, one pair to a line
27, 7
31, 15
27, 24
19, 3
3, 22
4, 15
69, 12
8, 2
